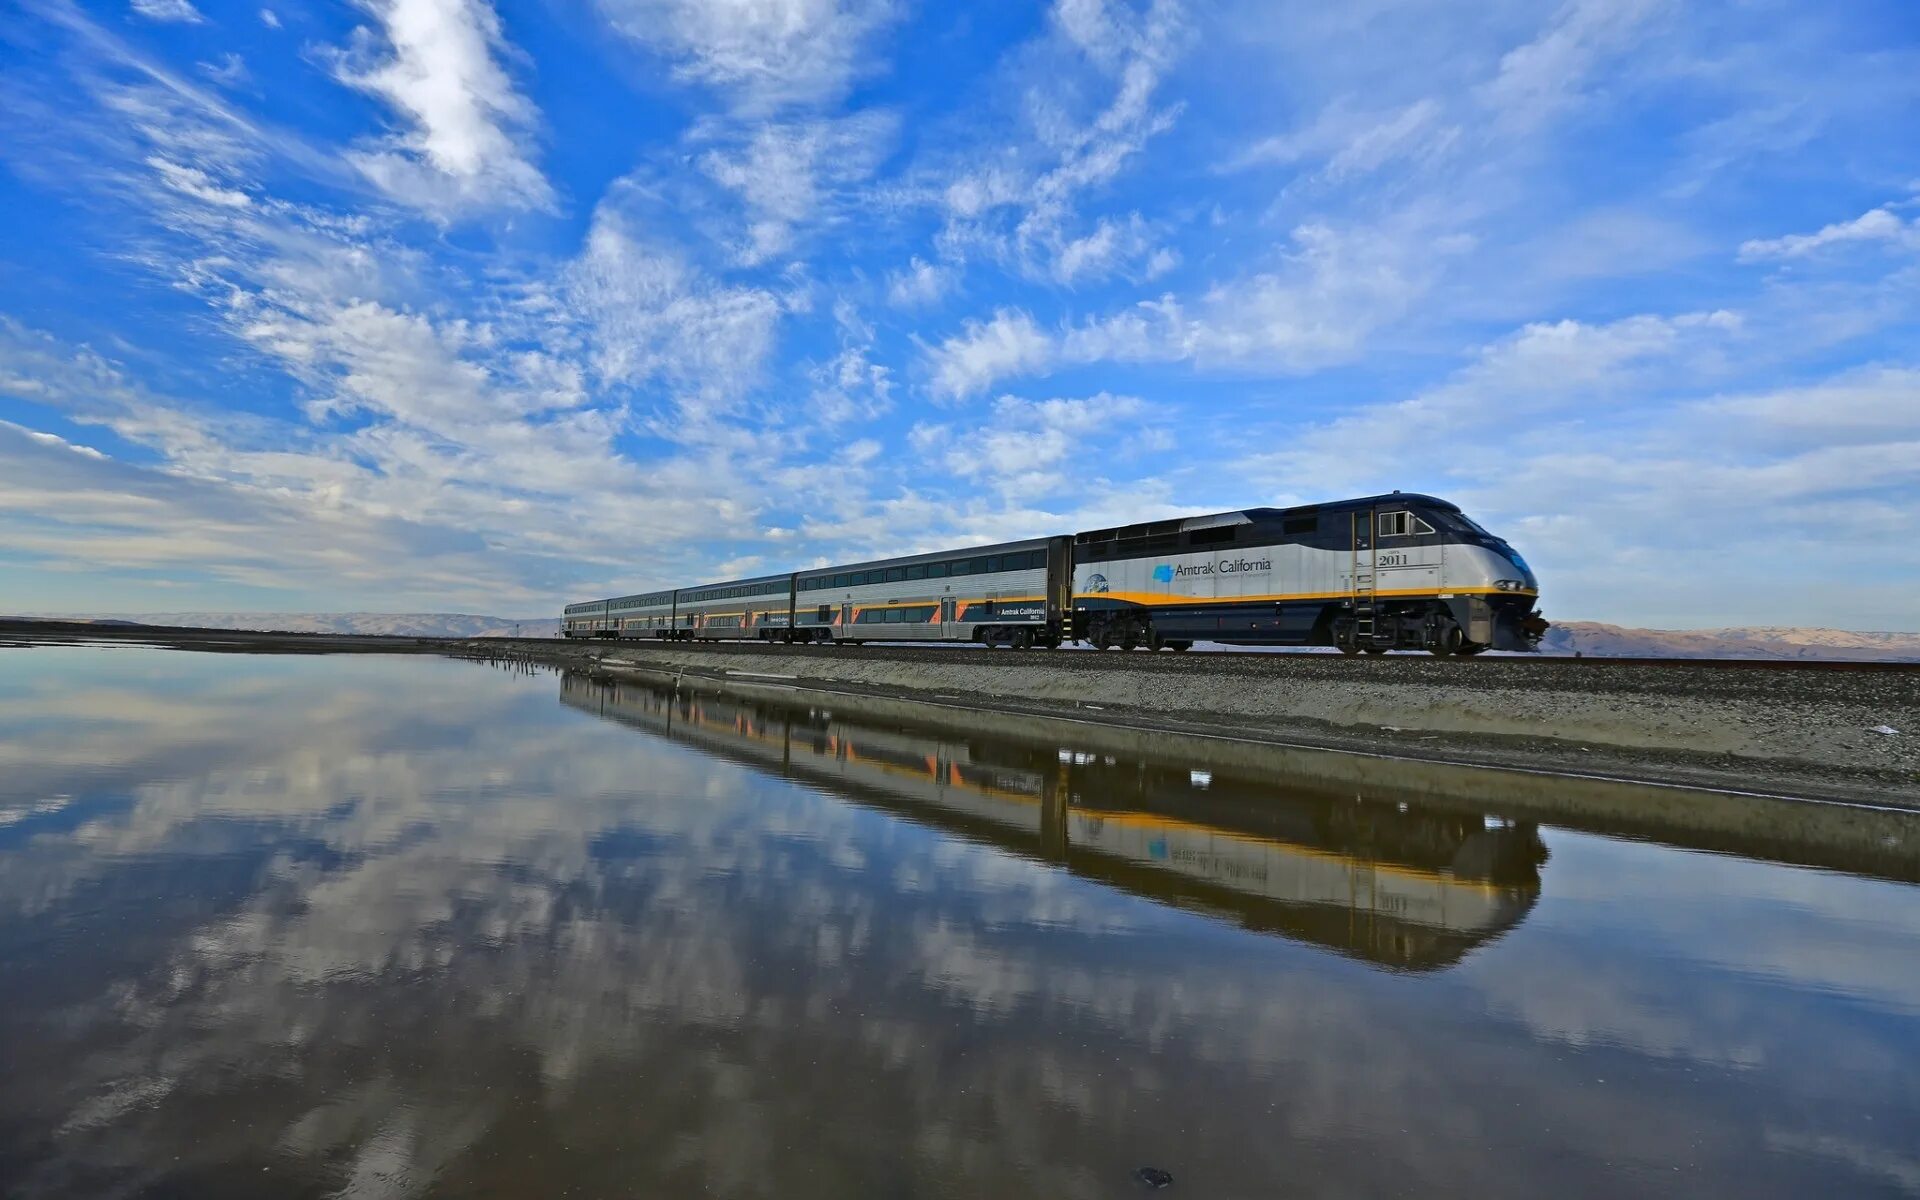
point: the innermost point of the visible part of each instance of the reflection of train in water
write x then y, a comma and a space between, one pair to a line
1404, 887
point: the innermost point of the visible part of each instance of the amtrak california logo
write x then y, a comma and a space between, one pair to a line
1168, 572
1096, 583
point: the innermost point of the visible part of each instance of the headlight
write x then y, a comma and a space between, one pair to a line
1509, 585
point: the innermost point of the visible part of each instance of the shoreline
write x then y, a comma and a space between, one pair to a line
1785, 733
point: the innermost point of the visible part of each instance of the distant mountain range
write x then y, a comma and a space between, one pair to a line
1598, 640
432, 625
1591, 638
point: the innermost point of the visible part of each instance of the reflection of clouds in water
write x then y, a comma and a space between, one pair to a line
472, 917
1764, 946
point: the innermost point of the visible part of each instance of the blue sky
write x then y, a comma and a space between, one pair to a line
437, 305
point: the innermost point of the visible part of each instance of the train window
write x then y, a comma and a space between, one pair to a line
959, 568
1298, 525
1395, 524
978, 565
1213, 536
1420, 526
895, 574
936, 570
840, 581
994, 564
917, 571
826, 613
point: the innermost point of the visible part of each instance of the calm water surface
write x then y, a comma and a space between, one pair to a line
403, 927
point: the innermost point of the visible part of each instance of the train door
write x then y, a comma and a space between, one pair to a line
949, 625
1059, 581
846, 620
1362, 583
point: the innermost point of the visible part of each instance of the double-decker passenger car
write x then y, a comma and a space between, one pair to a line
1379, 573
738, 610
1012, 593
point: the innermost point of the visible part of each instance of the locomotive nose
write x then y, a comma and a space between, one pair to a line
1527, 581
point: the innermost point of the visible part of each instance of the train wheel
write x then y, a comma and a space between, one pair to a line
1349, 649
1470, 649
1376, 651
1447, 641
1023, 639
1179, 647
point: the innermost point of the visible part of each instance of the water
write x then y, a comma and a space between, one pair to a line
403, 927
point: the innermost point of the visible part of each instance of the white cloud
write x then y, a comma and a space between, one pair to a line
193, 182
269, 18
1020, 450
1360, 143
650, 316
849, 387
765, 53
983, 352
1336, 289
1545, 371
787, 174
922, 283
1111, 247
1880, 225
1020, 198
1868, 404
68, 505
231, 71
1537, 79
464, 146
173, 11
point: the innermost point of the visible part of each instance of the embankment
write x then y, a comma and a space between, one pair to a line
1790, 730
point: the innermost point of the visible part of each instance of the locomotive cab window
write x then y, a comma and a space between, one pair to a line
1402, 524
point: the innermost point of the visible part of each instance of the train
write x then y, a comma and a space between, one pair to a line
1399, 571
1368, 877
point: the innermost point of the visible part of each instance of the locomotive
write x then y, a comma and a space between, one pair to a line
1400, 571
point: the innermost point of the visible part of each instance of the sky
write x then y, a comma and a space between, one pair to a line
442, 305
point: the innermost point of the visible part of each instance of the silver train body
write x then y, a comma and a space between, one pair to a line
1394, 572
